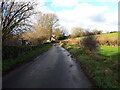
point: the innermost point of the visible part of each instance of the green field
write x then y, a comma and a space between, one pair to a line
110, 35
108, 51
81, 37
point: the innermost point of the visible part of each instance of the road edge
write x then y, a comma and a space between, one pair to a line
18, 65
82, 67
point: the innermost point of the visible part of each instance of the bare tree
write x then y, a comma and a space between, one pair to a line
15, 17
42, 29
37, 35
57, 33
95, 31
64, 30
77, 31
48, 21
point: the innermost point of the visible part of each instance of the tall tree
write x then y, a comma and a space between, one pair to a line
77, 31
49, 22
42, 29
37, 35
63, 30
57, 33
15, 17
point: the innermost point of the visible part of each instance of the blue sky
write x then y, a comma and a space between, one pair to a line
113, 6
83, 13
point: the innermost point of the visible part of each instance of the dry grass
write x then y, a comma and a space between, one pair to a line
107, 41
72, 41
104, 40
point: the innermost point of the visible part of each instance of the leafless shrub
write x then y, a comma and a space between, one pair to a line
89, 44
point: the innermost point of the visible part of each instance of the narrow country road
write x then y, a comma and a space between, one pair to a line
53, 69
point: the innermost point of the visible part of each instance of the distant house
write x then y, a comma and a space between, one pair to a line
53, 38
16, 41
69, 36
25, 42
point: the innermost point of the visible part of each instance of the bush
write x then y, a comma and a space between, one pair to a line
9, 52
89, 44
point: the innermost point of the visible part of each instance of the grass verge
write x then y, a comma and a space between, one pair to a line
7, 64
103, 68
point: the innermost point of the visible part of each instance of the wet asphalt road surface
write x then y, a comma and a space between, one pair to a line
53, 69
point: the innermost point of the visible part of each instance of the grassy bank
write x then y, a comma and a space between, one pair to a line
7, 64
111, 39
102, 68
110, 35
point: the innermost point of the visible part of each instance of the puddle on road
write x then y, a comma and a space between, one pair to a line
71, 65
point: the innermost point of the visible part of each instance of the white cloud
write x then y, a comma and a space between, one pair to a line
70, 3
84, 15
112, 18
64, 3
89, 16
41, 6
